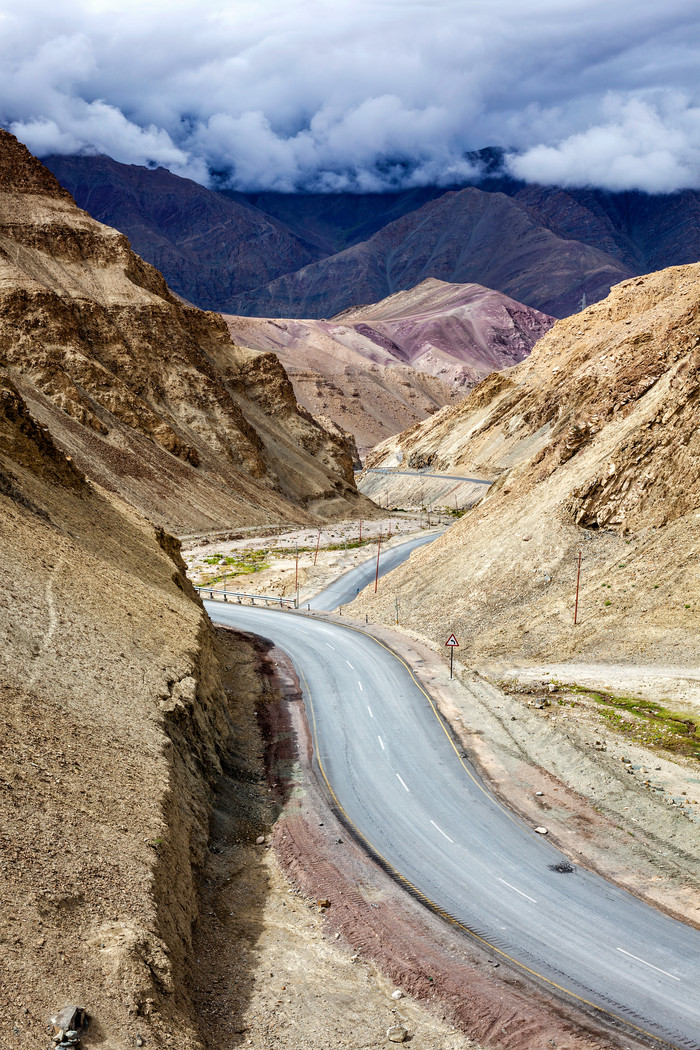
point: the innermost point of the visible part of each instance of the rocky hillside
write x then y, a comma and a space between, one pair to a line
113, 721
377, 369
593, 445
147, 395
209, 247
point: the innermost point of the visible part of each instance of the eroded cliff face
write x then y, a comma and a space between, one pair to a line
593, 444
113, 721
148, 395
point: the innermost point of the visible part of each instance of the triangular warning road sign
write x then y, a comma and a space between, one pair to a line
452, 640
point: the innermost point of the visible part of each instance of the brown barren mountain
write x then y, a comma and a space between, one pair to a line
148, 395
377, 369
113, 721
209, 247
594, 444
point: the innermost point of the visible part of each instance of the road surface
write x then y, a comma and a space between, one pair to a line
349, 585
399, 780
422, 474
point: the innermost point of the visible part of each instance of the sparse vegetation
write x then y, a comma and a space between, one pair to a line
645, 721
246, 562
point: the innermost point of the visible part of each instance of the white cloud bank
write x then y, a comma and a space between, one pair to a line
650, 147
360, 94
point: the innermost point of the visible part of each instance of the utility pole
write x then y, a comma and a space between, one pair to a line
397, 610
317, 543
360, 532
376, 575
296, 573
578, 577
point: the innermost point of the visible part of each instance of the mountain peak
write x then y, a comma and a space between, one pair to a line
21, 172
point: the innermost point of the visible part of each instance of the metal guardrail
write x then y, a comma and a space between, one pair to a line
238, 597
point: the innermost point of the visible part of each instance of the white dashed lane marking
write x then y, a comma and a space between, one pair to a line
370, 711
401, 782
516, 890
637, 959
381, 742
442, 832
360, 685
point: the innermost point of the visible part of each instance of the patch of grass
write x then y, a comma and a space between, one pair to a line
608, 602
350, 545
242, 564
646, 722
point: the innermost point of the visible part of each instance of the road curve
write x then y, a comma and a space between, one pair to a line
425, 474
400, 781
349, 585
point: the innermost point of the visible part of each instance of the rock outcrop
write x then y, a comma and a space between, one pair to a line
593, 446
147, 394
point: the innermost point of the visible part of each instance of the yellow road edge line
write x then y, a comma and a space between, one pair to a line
419, 893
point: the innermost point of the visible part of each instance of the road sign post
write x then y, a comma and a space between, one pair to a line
376, 575
296, 573
452, 643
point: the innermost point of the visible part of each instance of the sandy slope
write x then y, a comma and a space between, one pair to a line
593, 441
378, 369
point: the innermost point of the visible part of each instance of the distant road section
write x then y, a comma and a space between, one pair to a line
347, 587
423, 474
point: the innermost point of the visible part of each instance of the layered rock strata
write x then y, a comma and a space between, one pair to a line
147, 394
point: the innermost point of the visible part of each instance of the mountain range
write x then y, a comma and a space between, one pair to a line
314, 255
375, 370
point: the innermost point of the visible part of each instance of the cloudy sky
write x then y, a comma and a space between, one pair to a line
361, 94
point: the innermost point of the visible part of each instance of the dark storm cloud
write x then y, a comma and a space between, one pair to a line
361, 94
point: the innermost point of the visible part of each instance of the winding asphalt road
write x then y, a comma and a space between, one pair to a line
424, 474
394, 771
349, 585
